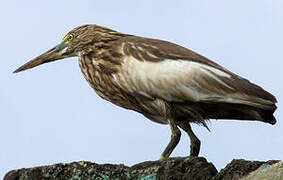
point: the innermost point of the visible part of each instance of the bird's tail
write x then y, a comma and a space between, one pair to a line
263, 114
267, 116
241, 112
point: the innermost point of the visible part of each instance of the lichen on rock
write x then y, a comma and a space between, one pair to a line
193, 168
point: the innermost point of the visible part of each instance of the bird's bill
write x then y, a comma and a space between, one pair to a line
53, 54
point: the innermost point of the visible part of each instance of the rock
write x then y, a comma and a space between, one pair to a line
267, 171
193, 168
173, 168
239, 168
177, 168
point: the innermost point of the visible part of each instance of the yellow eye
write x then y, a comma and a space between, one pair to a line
70, 37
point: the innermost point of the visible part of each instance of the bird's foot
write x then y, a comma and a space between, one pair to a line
163, 158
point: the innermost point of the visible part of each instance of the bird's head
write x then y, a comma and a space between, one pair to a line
79, 41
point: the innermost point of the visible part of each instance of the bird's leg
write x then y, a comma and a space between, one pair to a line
195, 142
175, 138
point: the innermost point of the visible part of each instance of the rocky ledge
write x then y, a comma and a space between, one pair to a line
173, 168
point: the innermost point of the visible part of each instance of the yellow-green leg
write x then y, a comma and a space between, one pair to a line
195, 142
175, 138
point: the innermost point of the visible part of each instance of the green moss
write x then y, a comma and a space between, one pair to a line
265, 166
47, 175
149, 177
90, 171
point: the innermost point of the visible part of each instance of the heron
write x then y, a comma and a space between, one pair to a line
165, 82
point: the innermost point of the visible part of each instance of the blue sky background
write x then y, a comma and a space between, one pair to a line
49, 114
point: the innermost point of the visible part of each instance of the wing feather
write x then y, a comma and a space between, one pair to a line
179, 75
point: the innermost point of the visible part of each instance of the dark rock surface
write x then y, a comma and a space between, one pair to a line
193, 168
239, 168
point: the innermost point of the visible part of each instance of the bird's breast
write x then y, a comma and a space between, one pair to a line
99, 76
102, 78
108, 84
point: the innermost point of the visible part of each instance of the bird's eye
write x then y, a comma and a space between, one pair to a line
70, 37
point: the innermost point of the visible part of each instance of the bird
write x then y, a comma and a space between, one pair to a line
165, 82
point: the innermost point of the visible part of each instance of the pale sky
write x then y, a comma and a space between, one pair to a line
50, 114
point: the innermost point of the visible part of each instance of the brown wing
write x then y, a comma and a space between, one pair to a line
165, 70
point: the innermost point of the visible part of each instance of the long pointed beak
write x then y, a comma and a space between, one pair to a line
53, 54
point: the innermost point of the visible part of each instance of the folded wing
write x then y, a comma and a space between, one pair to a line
159, 69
